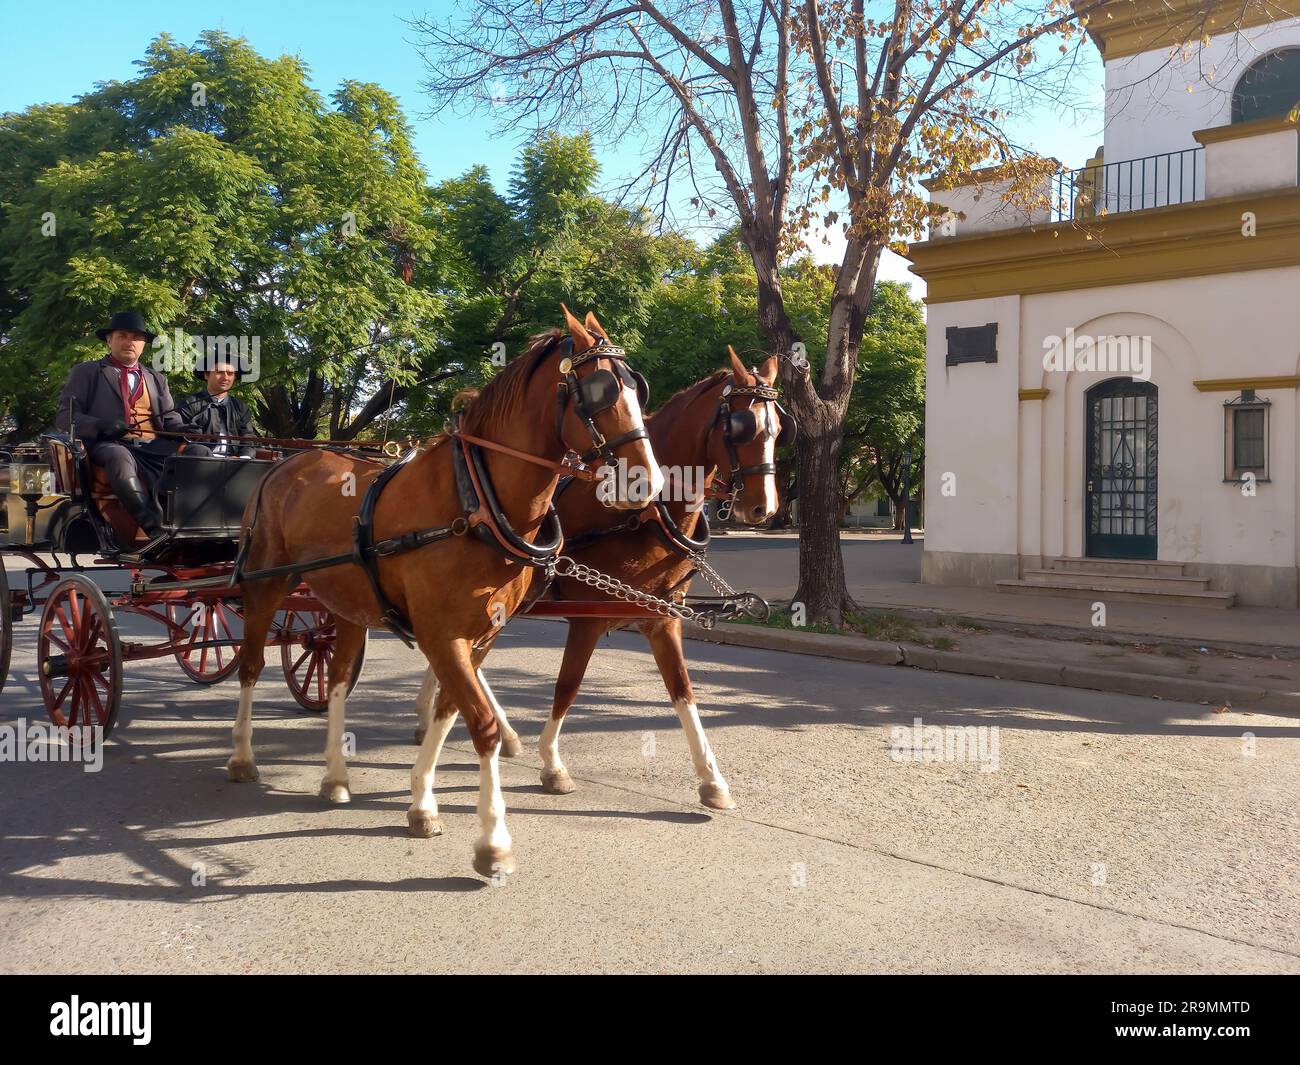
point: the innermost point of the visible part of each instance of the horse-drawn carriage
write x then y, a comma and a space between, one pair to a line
60, 508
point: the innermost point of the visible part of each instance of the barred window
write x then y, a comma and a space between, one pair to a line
1246, 437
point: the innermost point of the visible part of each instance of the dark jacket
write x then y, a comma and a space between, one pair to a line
227, 418
93, 387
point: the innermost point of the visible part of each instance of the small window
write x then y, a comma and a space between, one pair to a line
977, 343
1270, 87
1245, 434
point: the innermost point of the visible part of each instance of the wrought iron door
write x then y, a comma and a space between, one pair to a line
1121, 470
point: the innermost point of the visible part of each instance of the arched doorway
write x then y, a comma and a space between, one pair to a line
1120, 471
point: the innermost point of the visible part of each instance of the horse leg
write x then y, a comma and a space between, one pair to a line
422, 817
347, 649
578, 647
455, 668
666, 643
261, 600
510, 745
424, 704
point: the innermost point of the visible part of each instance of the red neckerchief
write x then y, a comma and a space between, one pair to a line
129, 394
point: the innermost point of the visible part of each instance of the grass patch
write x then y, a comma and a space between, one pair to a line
887, 628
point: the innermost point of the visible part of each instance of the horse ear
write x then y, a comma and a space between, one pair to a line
582, 340
768, 372
594, 326
737, 367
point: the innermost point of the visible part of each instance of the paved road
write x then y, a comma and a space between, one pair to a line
1117, 834
769, 565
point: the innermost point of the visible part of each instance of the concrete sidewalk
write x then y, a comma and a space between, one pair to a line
884, 574
1246, 656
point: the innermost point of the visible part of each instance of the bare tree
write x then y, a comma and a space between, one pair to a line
792, 118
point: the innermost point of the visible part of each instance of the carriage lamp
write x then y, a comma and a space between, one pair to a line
29, 480
907, 496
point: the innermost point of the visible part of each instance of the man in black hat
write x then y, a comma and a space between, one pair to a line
213, 411
117, 406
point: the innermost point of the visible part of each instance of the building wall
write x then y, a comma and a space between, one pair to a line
1149, 110
1019, 465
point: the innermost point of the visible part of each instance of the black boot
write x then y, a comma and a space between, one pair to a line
140, 506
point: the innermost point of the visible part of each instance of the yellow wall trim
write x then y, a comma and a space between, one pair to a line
1034, 393
1186, 240
1027, 166
1273, 124
1237, 384
1128, 27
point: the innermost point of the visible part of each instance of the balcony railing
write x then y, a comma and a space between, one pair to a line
1131, 185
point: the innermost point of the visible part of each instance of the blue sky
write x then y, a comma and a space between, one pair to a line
54, 52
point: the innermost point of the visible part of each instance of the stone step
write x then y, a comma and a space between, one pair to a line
1118, 566
1105, 593
1144, 582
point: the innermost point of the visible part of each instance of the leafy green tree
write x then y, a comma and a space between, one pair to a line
886, 413
221, 195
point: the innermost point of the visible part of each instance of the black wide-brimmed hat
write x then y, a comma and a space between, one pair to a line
132, 321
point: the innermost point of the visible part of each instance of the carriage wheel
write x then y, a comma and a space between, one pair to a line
6, 626
307, 657
205, 665
80, 656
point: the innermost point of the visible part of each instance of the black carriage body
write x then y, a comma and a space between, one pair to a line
208, 495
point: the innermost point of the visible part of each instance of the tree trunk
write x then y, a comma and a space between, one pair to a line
822, 589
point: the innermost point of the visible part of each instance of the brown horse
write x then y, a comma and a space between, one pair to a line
691, 430
557, 397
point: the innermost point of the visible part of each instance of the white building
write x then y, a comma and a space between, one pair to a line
1113, 381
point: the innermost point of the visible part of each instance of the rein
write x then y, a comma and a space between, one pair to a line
563, 467
391, 448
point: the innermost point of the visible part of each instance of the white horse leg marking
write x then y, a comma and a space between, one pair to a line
424, 704
549, 747
555, 777
713, 787
492, 857
334, 787
510, 745
422, 818
241, 766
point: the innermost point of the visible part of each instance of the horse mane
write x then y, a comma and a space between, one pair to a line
503, 396
683, 398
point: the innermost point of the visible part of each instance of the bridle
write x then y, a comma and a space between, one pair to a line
740, 427
596, 392
590, 395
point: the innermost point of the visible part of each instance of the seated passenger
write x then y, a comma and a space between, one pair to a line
213, 411
117, 406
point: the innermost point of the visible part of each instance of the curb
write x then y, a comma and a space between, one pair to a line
856, 649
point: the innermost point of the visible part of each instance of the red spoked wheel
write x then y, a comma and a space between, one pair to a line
204, 623
80, 657
6, 626
307, 655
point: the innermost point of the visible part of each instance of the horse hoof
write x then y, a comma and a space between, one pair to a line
493, 862
510, 746
419, 736
241, 772
557, 782
423, 825
334, 793
716, 797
